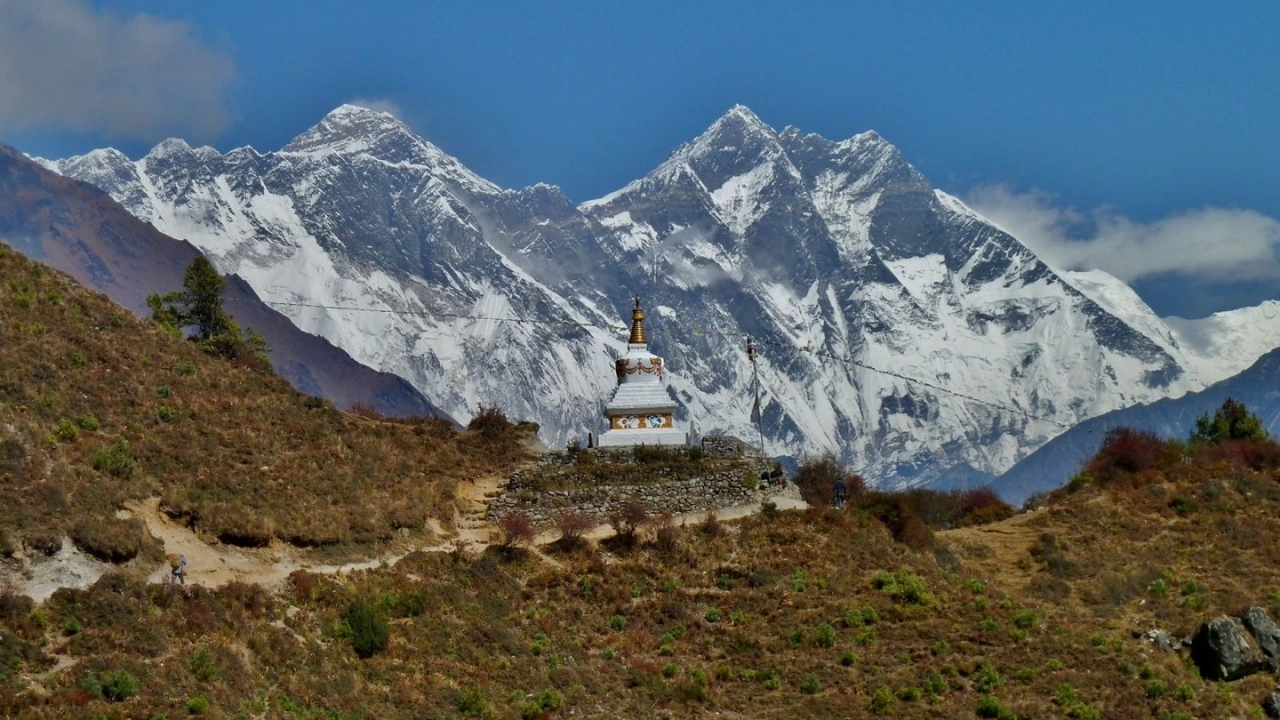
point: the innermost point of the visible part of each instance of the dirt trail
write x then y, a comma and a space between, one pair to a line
208, 564
212, 564
1001, 548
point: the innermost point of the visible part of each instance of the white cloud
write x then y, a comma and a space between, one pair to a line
66, 66
1211, 243
380, 105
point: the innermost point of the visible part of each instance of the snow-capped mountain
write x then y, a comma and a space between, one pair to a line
897, 328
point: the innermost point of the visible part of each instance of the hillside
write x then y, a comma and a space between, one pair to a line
80, 230
1052, 465
99, 407
797, 614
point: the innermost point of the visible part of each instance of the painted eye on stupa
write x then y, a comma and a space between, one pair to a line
656, 421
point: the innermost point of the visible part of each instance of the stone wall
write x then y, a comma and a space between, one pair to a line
750, 482
726, 446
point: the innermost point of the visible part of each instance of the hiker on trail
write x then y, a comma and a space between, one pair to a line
178, 563
841, 493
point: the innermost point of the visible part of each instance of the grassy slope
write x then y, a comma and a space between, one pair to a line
1040, 610
230, 447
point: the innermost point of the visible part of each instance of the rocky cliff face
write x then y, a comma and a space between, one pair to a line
897, 328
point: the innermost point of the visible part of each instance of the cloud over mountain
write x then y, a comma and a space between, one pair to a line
1210, 243
68, 66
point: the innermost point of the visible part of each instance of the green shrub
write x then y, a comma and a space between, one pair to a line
857, 617
737, 618
904, 587
1154, 689
472, 704
941, 648
910, 693
202, 665
986, 679
186, 367
848, 658
539, 644
989, 706
197, 705
164, 413
89, 422
369, 629
120, 686
881, 701
1025, 619
116, 460
810, 685
607, 653
713, 615
618, 623
935, 684
67, 431
550, 700
825, 636
71, 627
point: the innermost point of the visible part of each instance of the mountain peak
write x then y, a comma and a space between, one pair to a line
349, 127
740, 120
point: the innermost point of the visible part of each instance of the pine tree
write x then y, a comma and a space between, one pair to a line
1232, 421
198, 307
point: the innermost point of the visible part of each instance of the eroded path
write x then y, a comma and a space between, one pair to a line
213, 564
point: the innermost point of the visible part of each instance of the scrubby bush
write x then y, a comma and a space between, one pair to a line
1125, 450
816, 477
369, 630
628, 520
904, 587
881, 700
67, 431
572, 525
667, 537
116, 460
515, 530
120, 686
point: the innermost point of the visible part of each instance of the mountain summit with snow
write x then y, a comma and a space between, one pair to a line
897, 328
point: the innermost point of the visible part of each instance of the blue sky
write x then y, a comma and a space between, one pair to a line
1104, 131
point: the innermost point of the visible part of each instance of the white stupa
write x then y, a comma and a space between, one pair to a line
640, 412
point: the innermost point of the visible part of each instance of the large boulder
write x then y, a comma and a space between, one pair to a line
1264, 631
1224, 651
1272, 704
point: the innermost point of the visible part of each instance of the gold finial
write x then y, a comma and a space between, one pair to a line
637, 324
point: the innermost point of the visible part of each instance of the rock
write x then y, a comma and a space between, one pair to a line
1264, 631
1162, 640
1223, 651
1272, 704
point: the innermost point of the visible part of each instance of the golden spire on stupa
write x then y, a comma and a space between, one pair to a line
637, 325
